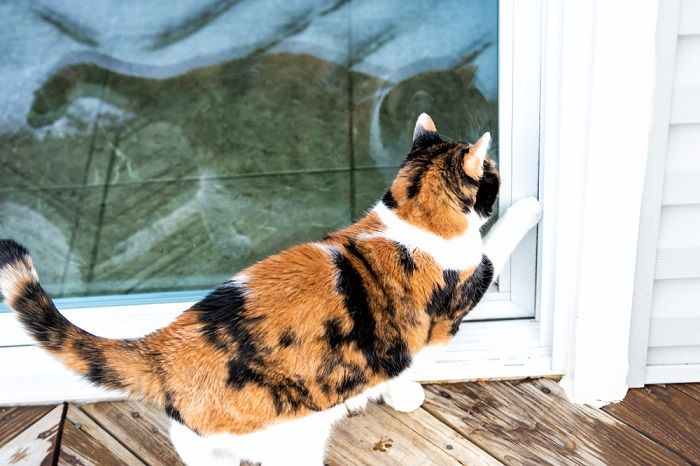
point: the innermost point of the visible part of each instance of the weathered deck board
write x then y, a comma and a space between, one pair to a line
490, 423
143, 429
36, 445
664, 414
427, 426
690, 389
14, 420
85, 443
531, 423
374, 437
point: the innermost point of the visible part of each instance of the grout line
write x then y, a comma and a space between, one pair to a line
101, 212
315, 171
351, 146
111, 434
59, 436
86, 175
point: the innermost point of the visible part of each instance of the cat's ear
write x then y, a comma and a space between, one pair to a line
477, 153
425, 130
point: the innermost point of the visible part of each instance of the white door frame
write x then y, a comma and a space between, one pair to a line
596, 93
599, 91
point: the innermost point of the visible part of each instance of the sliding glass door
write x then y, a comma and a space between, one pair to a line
149, 152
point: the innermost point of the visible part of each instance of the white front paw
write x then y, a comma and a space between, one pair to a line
404, 396
527, 211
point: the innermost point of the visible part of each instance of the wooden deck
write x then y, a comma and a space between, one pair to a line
483, 423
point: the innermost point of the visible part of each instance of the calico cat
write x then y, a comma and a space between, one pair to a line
262, 367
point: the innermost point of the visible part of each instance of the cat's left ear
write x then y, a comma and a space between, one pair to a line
477, 153
425, 130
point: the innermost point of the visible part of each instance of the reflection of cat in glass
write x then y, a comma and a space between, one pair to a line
276, 355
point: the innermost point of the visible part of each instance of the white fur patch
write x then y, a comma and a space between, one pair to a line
460, 253
510, 229
404, 395
299, 441
14, 277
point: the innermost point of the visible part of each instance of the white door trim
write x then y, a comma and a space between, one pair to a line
666, 39
597, 97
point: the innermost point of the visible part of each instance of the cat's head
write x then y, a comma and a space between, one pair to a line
444, 187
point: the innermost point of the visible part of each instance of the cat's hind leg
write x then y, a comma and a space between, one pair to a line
296, 442
196, 450
509, 230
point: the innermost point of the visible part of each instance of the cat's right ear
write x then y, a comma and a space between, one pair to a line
425, 131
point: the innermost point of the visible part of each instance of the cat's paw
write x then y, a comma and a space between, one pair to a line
526, 211
404, 396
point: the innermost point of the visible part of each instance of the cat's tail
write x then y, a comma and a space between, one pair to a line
116, 364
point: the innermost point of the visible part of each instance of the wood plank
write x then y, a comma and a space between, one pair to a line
86, 443
14, 420
442, 436
141, 428
36, 444
531, 423
664, 414
690, 389
375, 437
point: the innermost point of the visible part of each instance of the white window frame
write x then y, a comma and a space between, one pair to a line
519, 49
596, 110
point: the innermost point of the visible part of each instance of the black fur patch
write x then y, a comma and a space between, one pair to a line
351, 286
223, 310
488, 190
456, 180
170, 409
474, 288
40, 316
353, 248
334, 335
419, 168
444, 298
388, 357
99, 371
350, 382
11, 252
389, 201
406, 259
287, 339
453, 301
289, 395
426, 138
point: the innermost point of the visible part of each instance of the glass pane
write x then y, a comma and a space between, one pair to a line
152, 149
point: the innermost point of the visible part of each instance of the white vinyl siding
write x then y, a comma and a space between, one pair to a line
673, 342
